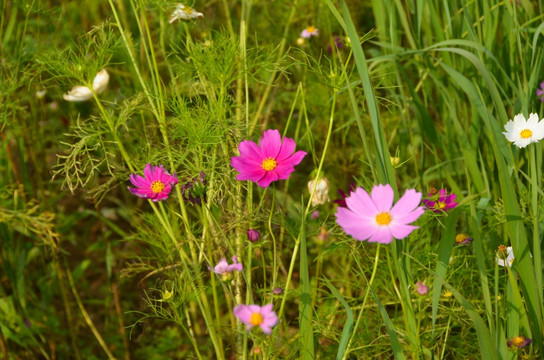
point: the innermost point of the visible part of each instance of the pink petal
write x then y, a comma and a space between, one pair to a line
247, 171
139, 181
266, 329
400, 231
143, 193
284, 170
297, 157
270, 177
360, 202
407, 203
286, 150
250, 151
271, 143
383, 196
148, 172
243, 313
382, 236
267, 309
409, 217
355, 225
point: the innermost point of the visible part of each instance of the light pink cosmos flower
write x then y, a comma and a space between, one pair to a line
255, 315
375, 219
224, 267
309, 32
156, 185
271, 161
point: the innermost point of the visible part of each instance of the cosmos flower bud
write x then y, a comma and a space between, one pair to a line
321, 194
422, 289
253, 235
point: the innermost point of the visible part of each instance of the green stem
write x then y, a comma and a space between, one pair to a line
537, 256
367, 292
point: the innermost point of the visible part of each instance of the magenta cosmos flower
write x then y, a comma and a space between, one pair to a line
255, 315
373, 218
440, 202
271, 161
155, 185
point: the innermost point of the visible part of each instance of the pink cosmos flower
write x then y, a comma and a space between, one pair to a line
443, 201
271, 161
224, 267
156, 185
309, 32
373, 218
255, 315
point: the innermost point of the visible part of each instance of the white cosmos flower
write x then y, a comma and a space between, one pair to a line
523, 132
82, 93
509, 258
184, 13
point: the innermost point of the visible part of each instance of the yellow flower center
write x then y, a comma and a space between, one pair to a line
440, 204
525, 134
383, 218
518, 340
188, 10
310, 29
256, 319
269, 164
157, 186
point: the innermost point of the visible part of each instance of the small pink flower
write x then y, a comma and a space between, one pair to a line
441, 202
375, 219
271, 161
223, 266
309, 32
540, 92
255, 315
156, 185
422, 289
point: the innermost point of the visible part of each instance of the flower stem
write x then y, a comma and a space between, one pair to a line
360, 315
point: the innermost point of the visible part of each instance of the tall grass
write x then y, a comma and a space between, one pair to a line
415, 95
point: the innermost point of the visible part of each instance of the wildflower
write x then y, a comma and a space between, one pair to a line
375, 219
315, 215
462, 239
255, 315
271, 161
518, 342
253, 235
40, 94
184, 13
300, 41
395, 161
540, 92
194, 191
321, 194
342, 201
83, 93
309, 32
167, 295
505, 256
422, 289
224, 269
447, 294
337, 42
156, 185
440, 202
523, 132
